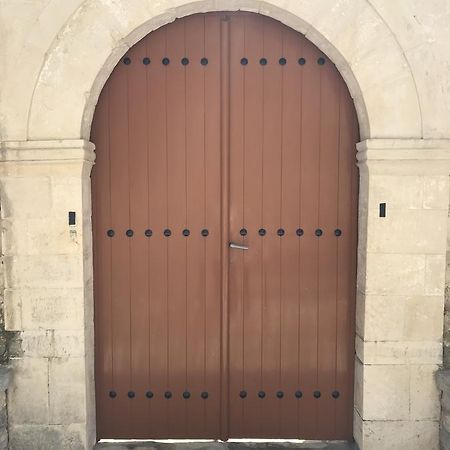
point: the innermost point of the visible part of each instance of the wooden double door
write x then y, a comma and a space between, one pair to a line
224, 128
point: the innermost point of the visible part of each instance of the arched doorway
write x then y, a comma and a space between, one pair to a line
225, 128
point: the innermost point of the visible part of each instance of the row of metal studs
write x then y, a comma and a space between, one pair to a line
243, 232
242, 394
204, 61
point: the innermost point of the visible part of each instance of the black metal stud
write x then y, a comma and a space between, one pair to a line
146, 61
262, 232
335, 394
165, 61
167, 232
302, 61
186, 395
318, 232
321, 61
185, 61
261, 394
244, 61
205, 232
186, 232
337, 232
298, 394
148, 232
280, 232
131, 394
263, 61
243, 394
316, 394
204, 61
243, 232
113, 394
204, 395
129, 233
110, 233
299, 232
126, 61
168, 395
282, 61
149, 394
280, 394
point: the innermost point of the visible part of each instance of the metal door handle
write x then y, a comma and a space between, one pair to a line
238, 246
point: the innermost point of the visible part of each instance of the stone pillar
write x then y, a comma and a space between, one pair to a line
48, 292
400, 302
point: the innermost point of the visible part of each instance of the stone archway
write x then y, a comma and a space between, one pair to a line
46, 175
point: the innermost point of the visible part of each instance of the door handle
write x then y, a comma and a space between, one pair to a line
238, 246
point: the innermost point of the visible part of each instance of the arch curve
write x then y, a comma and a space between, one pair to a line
354, 37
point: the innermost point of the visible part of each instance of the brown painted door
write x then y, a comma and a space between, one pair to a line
224, 128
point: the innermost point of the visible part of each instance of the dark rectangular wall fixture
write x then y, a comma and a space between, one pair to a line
382, 209
71, 217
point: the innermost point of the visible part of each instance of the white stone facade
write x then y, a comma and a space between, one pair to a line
55, 57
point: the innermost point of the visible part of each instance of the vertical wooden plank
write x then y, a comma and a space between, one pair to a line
272, 215
308, 243
291, 94
328, 179
195, 193
120, 257
102, 268
252, 203
157, 243
224, 132
138, 185
238, 381
176, 219
346, 264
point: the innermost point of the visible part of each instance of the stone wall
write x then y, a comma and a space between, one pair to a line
54, 59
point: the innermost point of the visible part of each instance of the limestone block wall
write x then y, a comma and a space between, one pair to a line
54, 59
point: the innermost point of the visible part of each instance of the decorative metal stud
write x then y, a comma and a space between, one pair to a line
146, 61
243, 394
282, 61
129, 233
186, 395
280, 232
298, 394
131, 394
244, 61
168, 395
113, 394
280, 394
243, 232
167, 232
262, 232
261, 394
126, 61
185, 61
205, 232
302, 61
165, 61
337, 232
148, 232
204, 395
263, 61
149, 394
299, 232
186, 232
110, 233
321, 61
204, 61
318, 232
335, 394
316, 394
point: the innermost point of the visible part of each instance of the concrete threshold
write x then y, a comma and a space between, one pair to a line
230, 445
